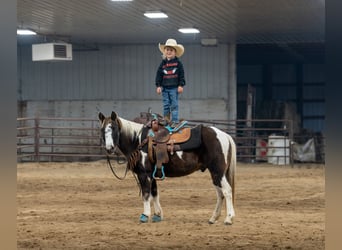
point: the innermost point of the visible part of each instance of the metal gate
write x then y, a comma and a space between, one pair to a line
78, 139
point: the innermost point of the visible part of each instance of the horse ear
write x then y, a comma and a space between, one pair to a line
101, 117
114, 116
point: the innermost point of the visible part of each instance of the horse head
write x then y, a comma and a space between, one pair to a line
110, 131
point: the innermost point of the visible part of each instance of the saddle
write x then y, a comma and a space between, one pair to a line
163, 140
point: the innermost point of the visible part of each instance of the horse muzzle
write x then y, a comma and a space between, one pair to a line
110, 149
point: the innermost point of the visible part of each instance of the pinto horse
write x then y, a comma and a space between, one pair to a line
217, 153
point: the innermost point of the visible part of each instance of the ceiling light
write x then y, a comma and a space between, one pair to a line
25, 32
121, 0
155, 14
188, 30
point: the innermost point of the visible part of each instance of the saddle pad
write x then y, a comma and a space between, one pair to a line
194, 140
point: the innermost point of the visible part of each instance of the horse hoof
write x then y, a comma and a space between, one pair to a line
228, 222
143, 218
156, 218
211, 222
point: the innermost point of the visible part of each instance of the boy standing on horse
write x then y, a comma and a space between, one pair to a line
170, 78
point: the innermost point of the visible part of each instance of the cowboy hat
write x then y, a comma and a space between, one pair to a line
172, 43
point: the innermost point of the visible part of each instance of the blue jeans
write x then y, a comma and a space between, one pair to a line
170, 103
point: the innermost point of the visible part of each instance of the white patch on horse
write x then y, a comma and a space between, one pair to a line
227, 192
157, 208
180, 154
143, 157
131, 129
147, 206
108, 137
224, 141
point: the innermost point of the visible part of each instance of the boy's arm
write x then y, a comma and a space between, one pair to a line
181, 78
159, 75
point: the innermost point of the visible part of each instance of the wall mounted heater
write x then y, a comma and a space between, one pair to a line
52, 52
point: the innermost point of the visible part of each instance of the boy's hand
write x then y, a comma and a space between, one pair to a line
180, 89
158, 90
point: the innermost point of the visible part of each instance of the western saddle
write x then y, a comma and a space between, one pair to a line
163, 139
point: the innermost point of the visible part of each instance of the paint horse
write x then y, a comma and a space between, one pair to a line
216, 152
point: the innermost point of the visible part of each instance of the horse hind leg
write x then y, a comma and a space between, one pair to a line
228, 195
218, 208
228, 183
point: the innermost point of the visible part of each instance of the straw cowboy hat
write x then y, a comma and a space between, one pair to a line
172, 43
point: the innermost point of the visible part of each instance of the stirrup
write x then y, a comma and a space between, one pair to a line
154, 173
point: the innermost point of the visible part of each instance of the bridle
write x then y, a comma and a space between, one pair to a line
117, 154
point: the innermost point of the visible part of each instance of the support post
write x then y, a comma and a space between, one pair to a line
232, 85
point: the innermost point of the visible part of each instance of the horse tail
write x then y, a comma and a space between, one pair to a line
232, 165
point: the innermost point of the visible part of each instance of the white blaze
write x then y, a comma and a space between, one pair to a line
108, 137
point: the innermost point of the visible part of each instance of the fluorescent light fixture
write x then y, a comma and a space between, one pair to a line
188, 30
155, 14
25, 32
121, 0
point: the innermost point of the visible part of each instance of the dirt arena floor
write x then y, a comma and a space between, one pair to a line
82, 206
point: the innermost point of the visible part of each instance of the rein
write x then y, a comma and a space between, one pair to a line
122, 178
113, 171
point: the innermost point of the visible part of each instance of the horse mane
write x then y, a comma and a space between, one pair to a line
131, 129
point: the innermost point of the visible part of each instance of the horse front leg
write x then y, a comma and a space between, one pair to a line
150, 192
144, 217
145, 185
158, 212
